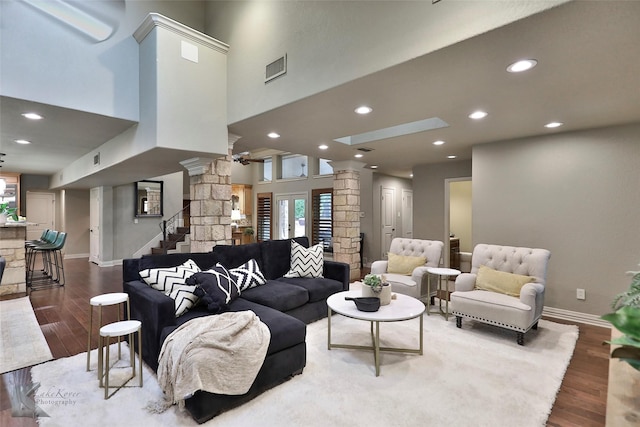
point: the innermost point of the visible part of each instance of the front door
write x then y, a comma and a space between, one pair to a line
291, 215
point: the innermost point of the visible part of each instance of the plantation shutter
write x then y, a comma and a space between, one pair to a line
263, 231
322, 217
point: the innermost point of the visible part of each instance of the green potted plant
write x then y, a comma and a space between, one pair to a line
375, 285
626, 318
7, 212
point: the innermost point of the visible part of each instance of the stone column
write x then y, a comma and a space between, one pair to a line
210, 195
346, 215
12, 239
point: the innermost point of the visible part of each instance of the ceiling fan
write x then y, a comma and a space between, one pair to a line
245, 160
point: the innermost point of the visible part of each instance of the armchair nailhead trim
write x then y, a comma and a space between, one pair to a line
482, 319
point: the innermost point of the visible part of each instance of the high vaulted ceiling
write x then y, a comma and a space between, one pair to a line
588, 75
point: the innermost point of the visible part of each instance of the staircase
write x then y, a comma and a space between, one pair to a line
175, 242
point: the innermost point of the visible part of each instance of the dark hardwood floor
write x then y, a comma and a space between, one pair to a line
63, 314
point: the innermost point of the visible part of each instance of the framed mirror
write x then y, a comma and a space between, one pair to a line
148, 198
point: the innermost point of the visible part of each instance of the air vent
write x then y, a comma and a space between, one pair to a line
364, 149
276, 69
96, 159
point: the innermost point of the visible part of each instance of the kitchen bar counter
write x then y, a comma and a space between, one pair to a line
12, 238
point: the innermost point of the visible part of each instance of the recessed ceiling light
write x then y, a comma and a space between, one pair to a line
553, 125
32, 116
451, 157
410, 175
438, 142
363, 109
22, 141
523, 65
358, 156
323, 146
374, 166
273, 135
477, 115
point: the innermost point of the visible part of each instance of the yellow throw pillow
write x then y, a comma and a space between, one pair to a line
500, 281
400, 264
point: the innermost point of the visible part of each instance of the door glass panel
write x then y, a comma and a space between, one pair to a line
300, 209
283, 219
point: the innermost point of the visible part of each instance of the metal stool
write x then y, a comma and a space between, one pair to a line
118, 329
100, 301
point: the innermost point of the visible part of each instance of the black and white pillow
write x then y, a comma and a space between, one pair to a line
165, 279
215, 287
306, 262
248, 275
184, 298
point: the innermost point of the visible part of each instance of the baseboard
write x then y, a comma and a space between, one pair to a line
111, 263
575, 316
75, 256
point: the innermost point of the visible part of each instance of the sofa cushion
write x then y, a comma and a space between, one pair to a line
489, 279
248, 275
319, 289
286, 331
204, 260
276, 256
306, 262
165, 278
234, 256
277, 295
404, 264
215, 287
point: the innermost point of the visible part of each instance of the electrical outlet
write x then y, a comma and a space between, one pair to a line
581, 294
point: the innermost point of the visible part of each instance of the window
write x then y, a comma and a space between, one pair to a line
322, 217
263, 231
267, 170
294, 166
325, 167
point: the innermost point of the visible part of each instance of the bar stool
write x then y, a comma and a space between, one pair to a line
118, 329
100, 301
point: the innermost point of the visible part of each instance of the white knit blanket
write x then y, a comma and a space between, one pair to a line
219, 354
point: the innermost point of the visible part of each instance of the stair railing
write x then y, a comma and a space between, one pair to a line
170, 226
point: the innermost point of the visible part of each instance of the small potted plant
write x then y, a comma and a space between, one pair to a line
375, 285
626, 318
7, 212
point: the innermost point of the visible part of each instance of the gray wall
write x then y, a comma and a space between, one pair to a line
129, 236
428, 196
30, 182
74, 62
576, 194
319, 56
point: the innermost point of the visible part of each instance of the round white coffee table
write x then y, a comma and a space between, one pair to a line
403, 307
441, 273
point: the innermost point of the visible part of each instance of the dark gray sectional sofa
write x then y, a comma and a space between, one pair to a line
285, 305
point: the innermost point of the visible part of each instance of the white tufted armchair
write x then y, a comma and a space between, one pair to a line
405, 284
516, 313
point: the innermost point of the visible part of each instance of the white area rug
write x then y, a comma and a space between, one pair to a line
21, 340
475, 376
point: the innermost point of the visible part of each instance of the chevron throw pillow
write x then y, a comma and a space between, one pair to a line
164, 279
216, 287
306, 262
248, 275
171, 282
184, 298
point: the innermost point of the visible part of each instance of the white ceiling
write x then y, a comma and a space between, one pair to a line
588, 75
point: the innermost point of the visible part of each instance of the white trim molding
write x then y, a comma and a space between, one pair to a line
575, 316
156, 20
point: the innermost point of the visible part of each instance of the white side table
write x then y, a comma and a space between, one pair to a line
114, 298
112, 330
441, 273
